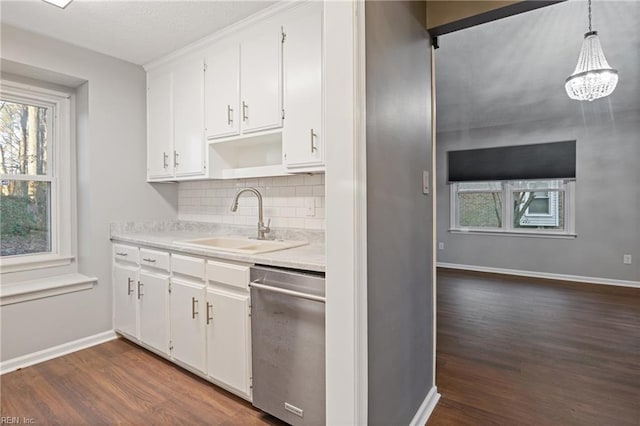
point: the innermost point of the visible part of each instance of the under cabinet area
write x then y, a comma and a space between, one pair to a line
245, 103
191, 310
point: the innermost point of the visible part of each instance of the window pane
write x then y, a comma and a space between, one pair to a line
538, 210
23, 136
25, 217
480, 210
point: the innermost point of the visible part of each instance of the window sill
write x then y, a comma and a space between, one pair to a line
29, 262
567, 236
23, 291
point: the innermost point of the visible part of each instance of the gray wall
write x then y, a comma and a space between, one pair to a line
607, 196
398, 214
111, 169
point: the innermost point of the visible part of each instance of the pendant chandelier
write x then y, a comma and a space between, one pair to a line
593, 78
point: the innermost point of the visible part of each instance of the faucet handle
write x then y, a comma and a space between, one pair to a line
268, 227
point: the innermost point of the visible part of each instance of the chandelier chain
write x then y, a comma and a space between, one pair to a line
590, 16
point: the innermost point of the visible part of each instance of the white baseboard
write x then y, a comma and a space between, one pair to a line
426, 408
545, 275
54, 352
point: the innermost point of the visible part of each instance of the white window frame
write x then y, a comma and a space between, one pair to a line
60, 172
508, 189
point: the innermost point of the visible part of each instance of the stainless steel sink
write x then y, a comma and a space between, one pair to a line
243, 244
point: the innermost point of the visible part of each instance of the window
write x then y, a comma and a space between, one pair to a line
36, 180
522, 206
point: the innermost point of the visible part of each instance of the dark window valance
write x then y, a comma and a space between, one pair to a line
555, 160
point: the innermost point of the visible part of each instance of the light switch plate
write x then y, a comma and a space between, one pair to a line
425, 182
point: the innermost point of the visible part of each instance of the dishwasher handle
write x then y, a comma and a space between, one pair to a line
259, 286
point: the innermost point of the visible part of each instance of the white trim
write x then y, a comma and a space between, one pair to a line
56, 351
27, 262
545, 275
434, 210
426, 408
361, 299
498, 232
22, 291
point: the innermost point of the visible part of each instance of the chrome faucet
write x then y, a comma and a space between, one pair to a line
262, 230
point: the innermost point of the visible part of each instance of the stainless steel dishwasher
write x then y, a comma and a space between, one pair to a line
288, 349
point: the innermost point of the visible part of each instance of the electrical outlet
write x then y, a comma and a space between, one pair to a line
440, 246
626, 259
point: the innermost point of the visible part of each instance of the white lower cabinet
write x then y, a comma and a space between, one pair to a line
188, 313
193, 314
153, 292
228, 341
125, 279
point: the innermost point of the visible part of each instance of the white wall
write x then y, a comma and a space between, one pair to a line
289, 201
111, 163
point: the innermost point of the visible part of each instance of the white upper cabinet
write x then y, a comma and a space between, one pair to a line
188, 117
160, 124
175, 120
243, 84
261, 80
222, 91
303, 132
247, 102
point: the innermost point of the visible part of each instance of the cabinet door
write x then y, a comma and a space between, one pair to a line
302, 51
159, 124
152, 293
188, 116
228, 344
124, 299
187, 323
222, 91
261, 81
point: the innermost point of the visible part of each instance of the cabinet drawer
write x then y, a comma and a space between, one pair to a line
126, 253
187, 265
154, 259
228, 273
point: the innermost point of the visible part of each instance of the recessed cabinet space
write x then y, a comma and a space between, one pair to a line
175, 121
303, 101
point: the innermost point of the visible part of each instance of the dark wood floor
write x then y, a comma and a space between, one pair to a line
119, 383
516, 351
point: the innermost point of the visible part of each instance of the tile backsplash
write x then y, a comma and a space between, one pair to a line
289, 201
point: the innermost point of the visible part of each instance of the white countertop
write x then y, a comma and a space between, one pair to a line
310, 257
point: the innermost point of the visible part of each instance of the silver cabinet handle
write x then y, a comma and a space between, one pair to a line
245, 115
258, 286
313, 144
229, 115
150, 260
209, 309
193, 308
140, 290
175, 158
120, 253
165, 160
129, 291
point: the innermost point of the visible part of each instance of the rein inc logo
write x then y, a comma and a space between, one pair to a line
6, 420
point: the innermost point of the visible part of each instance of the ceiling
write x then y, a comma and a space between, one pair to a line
514, 69
135, 31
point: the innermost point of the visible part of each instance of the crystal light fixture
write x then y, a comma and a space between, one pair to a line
593, 77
